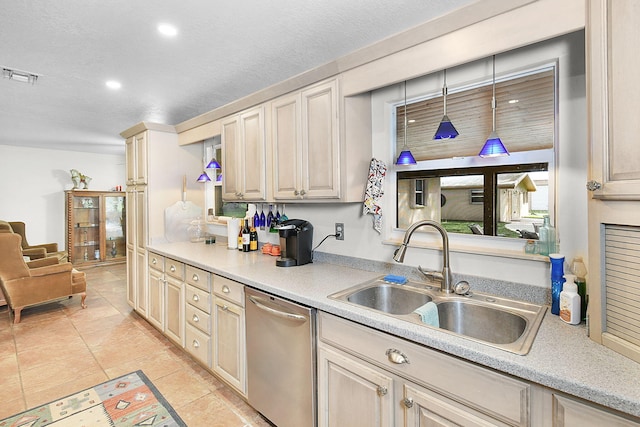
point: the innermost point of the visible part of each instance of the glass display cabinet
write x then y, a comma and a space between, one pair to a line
96, 222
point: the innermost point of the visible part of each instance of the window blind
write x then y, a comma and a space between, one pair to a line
525, 118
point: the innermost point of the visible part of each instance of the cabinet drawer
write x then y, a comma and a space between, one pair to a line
198, 344
492, 393
198, 298
198, 278
198, 318
156, 261
174, 268
228, 289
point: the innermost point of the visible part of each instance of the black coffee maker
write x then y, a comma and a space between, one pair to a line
296, 240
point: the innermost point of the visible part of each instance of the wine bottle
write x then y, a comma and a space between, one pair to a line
246, 237
240, 237
253, 238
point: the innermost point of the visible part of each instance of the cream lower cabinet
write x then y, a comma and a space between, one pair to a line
374, 379
198, 315
571, 412
156, 287
228, 338
371, 379
174, 301
352, 393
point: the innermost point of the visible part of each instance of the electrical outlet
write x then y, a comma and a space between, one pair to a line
339, 231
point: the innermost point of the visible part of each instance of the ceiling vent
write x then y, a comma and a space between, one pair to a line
19, 76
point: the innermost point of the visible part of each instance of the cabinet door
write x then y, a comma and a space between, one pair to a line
174, 310
253, 155
568, 412
142, 295
614, 28
156, 298
132, 289
320, 141
229, 354
424, 408
141, 158
130, 156
231, 154
140, 218
352, 392
136, 159
287, 148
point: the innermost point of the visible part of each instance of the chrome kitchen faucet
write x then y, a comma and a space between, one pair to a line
445, 276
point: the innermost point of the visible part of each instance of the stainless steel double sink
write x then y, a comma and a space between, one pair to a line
503, 323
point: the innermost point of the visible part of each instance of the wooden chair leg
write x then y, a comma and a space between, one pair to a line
16, 314
83, 296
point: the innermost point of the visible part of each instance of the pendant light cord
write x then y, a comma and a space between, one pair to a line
405, 113
493, 99
444, 92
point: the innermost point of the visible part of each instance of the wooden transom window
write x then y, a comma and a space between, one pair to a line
525, 117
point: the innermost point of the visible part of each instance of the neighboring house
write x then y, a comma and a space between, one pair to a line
461, 198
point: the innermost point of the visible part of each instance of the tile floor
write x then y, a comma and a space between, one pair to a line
58, 349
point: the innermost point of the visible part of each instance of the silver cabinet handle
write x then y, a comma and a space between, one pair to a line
195, 278
302, 192
154, 261
397, 357
296, 192
225, 307
408, 402
258, 302
382, 390
593, 185
196, 344
225, 289
196, 298
196, 318
172, 268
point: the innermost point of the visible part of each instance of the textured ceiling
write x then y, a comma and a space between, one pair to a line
224, 50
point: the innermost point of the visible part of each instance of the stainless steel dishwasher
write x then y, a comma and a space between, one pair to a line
281, 373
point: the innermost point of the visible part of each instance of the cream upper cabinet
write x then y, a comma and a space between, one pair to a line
287, 148
613, 28
244, 156
613, 31
321, 144
136, 154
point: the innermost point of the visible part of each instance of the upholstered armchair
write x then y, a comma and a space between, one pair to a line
33, 251
44, 280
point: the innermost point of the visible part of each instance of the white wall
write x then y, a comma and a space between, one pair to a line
33, 183
497, 258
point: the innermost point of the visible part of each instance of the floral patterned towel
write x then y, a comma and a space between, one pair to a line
374, 191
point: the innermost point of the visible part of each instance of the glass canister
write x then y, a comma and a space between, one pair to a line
196, 231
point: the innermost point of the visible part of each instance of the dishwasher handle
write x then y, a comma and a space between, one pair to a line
292, 316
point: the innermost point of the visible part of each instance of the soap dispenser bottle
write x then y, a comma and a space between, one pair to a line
570, 301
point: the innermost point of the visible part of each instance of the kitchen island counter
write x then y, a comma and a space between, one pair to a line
562, 357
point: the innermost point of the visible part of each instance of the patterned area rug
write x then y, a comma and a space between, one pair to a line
131, 400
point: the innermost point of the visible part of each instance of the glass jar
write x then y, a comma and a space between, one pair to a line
196, 231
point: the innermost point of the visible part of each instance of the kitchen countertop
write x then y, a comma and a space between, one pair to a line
562, 356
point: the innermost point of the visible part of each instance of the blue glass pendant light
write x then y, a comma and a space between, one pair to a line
405, 157
213, 164
203, 177
494, 146
446, 130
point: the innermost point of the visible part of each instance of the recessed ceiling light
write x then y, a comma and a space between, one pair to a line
513, 101
112, 84
167, 30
